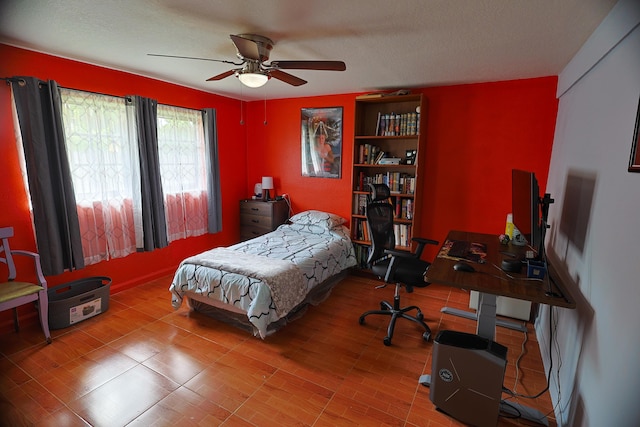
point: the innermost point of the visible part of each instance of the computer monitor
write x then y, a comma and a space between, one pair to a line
525, 207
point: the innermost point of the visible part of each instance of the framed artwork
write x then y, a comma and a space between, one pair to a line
321, 139
634, 159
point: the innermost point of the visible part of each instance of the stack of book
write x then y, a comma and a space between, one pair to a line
393, 124
398, 182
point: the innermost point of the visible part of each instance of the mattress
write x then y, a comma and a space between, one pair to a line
266, 277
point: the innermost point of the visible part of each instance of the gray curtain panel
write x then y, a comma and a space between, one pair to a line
50, 186
154, 224
213, 170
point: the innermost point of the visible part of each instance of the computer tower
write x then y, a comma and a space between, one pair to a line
467, 374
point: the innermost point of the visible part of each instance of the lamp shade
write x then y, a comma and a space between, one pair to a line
267, 183
253, 79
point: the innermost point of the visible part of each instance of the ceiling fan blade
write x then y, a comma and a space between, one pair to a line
309, 65
246, 47
222, 75
191, 57
287, 78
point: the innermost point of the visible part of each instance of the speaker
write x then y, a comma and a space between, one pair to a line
467, 373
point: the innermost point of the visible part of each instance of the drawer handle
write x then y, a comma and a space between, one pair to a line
255, 209
255, 220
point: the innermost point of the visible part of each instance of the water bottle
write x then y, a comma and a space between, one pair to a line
508, 230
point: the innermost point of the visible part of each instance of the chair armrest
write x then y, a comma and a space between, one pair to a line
36, 260
403, 254
421, 244
392, 262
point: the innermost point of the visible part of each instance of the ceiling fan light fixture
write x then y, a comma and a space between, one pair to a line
253, 80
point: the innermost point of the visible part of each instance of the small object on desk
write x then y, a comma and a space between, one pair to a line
504, 239
536, 269
464, 250
511, 265
459, 249
463, 266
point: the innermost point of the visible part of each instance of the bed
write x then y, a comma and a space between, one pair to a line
263, 283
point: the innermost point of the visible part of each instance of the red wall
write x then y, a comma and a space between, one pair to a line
274, 150
135, 268
475, 135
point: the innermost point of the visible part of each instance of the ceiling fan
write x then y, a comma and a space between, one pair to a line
253, 51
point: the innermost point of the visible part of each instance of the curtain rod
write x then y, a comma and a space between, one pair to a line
125, 97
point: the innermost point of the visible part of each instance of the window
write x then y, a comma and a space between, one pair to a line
104, 166
181, 148
103, 155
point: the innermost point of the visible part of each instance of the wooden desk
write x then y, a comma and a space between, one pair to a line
490, 281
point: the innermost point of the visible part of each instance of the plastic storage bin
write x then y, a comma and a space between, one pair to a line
73, 302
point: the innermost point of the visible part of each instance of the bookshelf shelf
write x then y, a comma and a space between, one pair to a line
405, 142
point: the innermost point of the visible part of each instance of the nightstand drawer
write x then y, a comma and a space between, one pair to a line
249, 232
250, 220
258, 217
256, 208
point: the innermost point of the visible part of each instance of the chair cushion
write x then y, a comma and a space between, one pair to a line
409, 271
13, 290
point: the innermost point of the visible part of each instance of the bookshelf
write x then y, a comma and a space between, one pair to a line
388, 148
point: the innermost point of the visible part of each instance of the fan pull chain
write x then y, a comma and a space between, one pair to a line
265, 106
241, 105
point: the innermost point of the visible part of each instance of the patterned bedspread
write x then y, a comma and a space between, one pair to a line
316, 253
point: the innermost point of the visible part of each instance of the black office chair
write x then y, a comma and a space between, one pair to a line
400, 267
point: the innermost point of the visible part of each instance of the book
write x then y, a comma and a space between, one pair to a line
370, 95
460, 249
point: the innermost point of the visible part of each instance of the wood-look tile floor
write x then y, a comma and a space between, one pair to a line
143, 364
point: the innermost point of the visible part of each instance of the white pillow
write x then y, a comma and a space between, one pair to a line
318, 218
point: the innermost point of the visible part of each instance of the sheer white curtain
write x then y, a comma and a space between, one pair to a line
103, 157
181, 148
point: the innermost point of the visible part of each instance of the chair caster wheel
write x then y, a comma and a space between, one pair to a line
361, 320
420, 316
387, 341
383, 307
426, 336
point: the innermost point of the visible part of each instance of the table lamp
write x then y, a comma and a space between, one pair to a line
267, 184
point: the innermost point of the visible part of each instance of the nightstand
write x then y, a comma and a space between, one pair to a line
258, 217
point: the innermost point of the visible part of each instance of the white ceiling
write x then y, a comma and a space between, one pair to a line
386, 44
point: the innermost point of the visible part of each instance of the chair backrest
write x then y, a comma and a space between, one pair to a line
5, 251
380, 213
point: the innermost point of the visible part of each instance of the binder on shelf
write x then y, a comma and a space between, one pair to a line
390, 161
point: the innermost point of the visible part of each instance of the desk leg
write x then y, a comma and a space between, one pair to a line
486, 323
425, 380
487, 306
517, 410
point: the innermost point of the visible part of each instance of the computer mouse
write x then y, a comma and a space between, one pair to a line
463, 266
